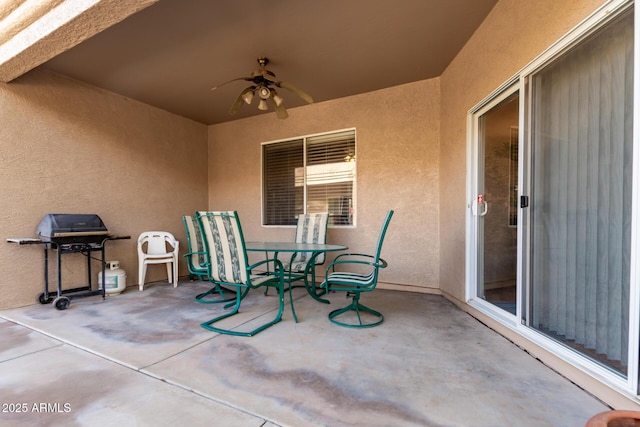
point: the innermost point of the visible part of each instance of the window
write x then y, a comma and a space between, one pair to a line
310, 174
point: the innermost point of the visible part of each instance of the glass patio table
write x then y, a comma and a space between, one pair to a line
314, 249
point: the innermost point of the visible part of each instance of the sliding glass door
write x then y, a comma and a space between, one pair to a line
496, 202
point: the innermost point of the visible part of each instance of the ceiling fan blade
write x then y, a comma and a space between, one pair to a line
240, 100
236, 105
302, 94
281, 112
233, 80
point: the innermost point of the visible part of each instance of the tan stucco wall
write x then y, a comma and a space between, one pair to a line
513, 34
397, 131
67, 147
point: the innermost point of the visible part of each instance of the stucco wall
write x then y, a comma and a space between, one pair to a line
513, 34
142, 168
67, 147
397, 131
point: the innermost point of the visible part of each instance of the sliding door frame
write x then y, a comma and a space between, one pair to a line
474, 257
629, 385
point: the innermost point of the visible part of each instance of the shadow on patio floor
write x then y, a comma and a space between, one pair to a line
141, 358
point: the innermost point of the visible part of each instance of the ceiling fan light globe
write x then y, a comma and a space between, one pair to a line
278, 99
263, 105
248, 97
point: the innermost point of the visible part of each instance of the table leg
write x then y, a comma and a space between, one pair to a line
310, 269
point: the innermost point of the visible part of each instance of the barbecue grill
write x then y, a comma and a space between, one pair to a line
69, 229
70, 233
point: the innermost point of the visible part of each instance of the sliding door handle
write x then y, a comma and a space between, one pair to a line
483, 208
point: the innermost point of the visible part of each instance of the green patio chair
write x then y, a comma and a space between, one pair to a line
197, 262
196, 255
311, 228
227, 265
356, 283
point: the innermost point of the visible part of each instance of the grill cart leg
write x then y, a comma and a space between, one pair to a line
61, 302
103, 272
88, 270
45, 298
59, 253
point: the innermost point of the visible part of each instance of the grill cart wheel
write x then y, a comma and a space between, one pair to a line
61, 303
43, 300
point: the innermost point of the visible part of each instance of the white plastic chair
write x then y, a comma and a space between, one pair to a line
158, 247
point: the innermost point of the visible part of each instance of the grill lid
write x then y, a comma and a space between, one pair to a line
71, 225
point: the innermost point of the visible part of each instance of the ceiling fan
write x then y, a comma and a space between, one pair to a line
264, 84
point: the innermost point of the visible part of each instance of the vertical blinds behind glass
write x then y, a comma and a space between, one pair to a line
582, 110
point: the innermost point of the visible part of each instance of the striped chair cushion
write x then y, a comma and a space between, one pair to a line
355, 279
196, 244
226, 247
312, 228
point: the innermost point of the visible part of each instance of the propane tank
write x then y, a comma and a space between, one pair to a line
115, 278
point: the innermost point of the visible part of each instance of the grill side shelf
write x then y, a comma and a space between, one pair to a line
25, 241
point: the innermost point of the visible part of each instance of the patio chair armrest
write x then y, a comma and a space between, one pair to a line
267, 261
188, 254
276, 262
175, 244
356, 255
380, 264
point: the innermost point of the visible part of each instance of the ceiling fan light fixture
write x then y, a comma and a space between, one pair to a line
263, 84
264, 92
248, 97
277, 99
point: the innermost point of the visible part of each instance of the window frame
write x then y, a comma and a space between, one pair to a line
304, 139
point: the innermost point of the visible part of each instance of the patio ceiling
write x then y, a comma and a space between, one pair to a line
172, 52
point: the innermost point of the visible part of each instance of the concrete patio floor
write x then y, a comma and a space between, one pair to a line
142, 359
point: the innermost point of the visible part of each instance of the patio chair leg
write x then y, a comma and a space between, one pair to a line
202, 298
266, 291
290, 290
242, 295
357, 308
209, 324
